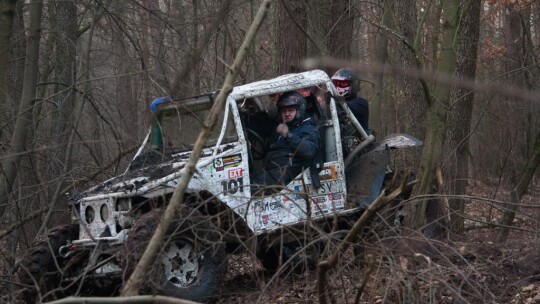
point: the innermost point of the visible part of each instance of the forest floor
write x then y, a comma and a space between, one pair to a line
470, 268
406, 268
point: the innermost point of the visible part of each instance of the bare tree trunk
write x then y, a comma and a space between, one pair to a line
123, 66
518, 191
196, 38
411, 100
456, 166
15, 67
318, 20
275, 52
63, 103
437, 110
153, 19
75, 118
292, 44
133, 283
340, 35
514, 61
375, 117
195, 56
24, 121
7, 13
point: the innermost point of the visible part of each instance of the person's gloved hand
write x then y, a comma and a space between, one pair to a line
283, 130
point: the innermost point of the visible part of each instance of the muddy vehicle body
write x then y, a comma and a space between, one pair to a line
221, 212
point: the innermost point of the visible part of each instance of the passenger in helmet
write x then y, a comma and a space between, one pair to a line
347, 84
315, 102
295, 142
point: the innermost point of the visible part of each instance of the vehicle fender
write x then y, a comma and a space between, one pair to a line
365, 177
398, 141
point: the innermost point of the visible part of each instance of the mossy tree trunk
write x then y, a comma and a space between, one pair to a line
456, 166
437, 113
7, 14
518, 192
25, 117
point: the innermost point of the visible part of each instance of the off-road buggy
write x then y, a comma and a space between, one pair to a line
221, 212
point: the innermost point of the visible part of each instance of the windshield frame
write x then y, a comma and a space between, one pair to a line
191, 106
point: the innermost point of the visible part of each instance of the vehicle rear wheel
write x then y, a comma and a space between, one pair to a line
294, 256
42, 269
190, 265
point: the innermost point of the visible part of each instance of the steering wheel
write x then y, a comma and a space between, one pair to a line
257, 145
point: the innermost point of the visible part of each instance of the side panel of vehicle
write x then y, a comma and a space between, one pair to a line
226, 175
289, 206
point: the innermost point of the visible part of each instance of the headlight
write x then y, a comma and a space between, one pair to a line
104, 212
89, 214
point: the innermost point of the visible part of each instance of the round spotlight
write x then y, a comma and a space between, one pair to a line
104, 212
89, 214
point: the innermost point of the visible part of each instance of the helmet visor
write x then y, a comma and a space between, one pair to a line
341, 83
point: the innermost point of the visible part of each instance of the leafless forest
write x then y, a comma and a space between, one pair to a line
77, 79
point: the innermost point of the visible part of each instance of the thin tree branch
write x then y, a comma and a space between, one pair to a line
196, 55
326, 265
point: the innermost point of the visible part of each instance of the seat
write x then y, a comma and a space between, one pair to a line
314, 110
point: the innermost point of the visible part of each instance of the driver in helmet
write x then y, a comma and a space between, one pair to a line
295, 142
347, 84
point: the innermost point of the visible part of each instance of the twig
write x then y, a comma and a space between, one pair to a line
326, 265
370, 271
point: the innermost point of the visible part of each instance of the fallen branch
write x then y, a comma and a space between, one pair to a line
126, 300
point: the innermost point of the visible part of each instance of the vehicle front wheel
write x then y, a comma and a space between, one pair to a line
42, 269
190, 265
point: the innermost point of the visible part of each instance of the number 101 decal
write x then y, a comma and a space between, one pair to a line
232, 186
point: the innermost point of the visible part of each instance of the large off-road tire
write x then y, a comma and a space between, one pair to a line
190, 265
41, 270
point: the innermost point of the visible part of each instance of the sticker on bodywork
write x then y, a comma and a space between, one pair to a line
232, 186
328, 173
227, 162
235, 173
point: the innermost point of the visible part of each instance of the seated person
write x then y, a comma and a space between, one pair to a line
295, 142
348, 85
313, 99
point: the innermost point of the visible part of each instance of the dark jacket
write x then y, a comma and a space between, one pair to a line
360, 108
287, 156
298, 149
